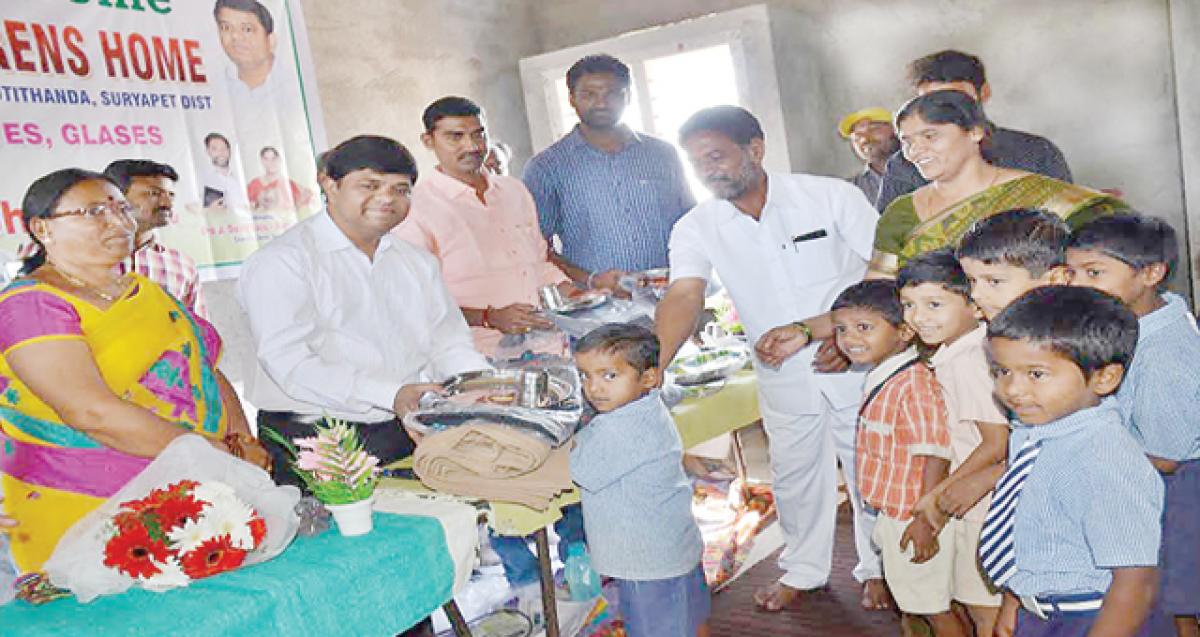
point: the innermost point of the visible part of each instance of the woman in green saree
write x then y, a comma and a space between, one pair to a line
943, 133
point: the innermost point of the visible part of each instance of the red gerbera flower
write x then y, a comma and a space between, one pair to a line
258, 531
131, 550
174, 512
215, 555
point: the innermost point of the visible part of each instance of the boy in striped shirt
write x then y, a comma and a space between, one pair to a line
902, 449
1072, 533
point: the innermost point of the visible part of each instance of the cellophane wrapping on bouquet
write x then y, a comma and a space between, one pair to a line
78, 562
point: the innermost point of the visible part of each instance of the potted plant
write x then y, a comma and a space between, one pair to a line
338, 471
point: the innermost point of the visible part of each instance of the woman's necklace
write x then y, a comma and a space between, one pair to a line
83, 285
935, 200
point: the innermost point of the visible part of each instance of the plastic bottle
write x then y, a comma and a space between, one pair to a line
582, 580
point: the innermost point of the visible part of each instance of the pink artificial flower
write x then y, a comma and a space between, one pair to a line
309, 460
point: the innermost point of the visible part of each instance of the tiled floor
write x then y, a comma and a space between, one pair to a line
831, 613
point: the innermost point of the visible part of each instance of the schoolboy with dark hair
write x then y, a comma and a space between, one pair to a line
1012, 252
1072, 534
629, 460
902, 450
1133, 257
936, 298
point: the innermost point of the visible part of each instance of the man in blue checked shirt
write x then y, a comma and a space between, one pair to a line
609, 194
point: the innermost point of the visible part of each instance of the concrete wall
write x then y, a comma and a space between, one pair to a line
1095, 76
380, 64
1185, 24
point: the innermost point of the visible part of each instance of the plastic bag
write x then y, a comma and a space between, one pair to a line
577, 324
77, 563
8, 572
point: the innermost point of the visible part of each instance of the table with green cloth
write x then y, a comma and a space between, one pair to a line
381, 584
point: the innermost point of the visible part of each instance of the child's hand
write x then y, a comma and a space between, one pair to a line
923, 538
927, 506
936, 518
966, 492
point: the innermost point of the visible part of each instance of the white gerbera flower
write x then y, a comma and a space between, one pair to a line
213, 491
192, 534
232, 517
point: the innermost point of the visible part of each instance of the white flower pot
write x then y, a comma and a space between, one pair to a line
355, 518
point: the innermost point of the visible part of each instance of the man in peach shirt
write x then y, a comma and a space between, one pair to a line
483, 228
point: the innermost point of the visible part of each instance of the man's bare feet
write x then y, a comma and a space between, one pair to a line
875, 595
777, 597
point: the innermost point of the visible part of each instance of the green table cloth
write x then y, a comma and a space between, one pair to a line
377, 584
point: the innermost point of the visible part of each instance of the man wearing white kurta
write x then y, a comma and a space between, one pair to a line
347, 321
784, 246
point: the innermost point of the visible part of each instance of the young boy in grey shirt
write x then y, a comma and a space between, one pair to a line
637, 502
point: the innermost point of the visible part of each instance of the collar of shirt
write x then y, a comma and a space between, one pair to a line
1108, 409
577, 140
151, 243
235, 83
732, 214
1164, 316
965, 343
634, 409
882, 371
330, 238
450, 188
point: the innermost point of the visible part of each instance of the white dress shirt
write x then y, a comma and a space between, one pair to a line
812, 241
336, 333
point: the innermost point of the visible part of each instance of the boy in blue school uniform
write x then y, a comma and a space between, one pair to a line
1011, 252
1133, 258
637, 501
1072, 533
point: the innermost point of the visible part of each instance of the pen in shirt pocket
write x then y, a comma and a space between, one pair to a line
808, 236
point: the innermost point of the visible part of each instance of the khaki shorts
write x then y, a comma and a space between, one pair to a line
919, 589
970, 585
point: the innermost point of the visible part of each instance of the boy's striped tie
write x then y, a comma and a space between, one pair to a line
996, 542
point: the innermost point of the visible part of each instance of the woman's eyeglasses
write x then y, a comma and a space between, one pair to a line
120, 209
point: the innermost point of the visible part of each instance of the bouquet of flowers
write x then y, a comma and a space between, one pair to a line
338, 471
182, 532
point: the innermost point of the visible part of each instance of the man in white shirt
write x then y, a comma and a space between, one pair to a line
784, 246
262, 81
221, 187
347, 321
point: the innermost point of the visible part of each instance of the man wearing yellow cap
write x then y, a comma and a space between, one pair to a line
873, 139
